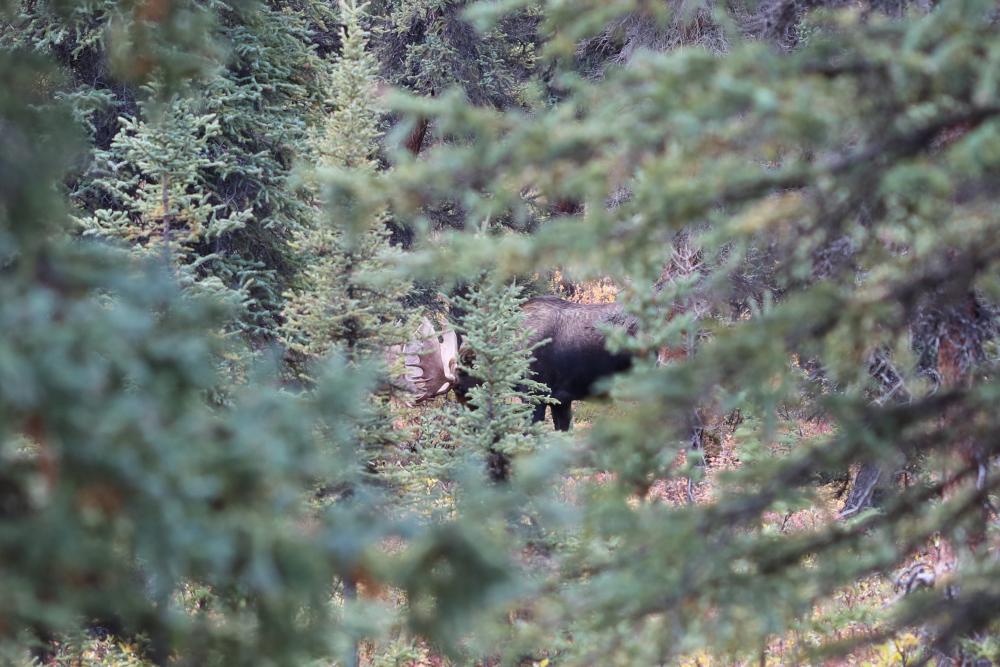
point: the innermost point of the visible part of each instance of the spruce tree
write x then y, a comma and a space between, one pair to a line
157, 196
429, 47
251, 76
496, 359
351, 300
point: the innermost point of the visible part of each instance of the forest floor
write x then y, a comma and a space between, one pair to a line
847, 614
850, 614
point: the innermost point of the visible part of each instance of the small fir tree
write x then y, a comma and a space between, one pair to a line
351, 300
497, 358
153, 182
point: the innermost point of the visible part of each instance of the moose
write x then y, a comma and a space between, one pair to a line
572, 361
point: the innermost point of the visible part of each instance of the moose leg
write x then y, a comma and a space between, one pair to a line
538, 414
562, 414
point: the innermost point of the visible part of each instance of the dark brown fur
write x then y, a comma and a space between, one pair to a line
575, 357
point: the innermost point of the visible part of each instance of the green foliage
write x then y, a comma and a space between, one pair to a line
123, 485
846, 166
157, 194
252, 87
121, 482
351, 131
430, 46
803, 224
497, 357
351, 300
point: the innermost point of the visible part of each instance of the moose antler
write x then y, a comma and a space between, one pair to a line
431, 366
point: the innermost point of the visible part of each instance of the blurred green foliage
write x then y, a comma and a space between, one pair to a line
800, 207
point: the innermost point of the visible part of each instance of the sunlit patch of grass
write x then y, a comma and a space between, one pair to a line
598, 290
588, 413
93, 650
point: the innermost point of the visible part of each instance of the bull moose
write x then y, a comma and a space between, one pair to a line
574, 358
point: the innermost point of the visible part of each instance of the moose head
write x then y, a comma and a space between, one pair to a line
430, 362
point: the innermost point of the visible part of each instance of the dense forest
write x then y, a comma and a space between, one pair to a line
508, 332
